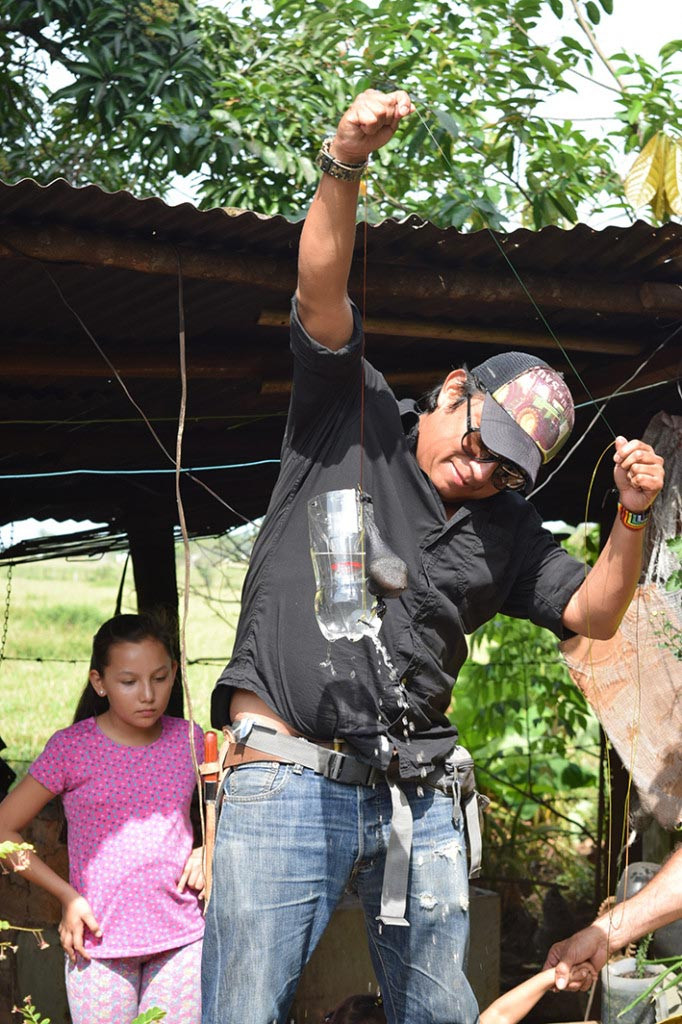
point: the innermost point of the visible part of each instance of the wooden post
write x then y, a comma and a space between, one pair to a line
152, 550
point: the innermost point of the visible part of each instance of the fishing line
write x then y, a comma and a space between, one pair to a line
449, 165
605, 402
363, 190
599, 415
609, 816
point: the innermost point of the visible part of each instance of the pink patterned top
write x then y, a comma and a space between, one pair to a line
130, 835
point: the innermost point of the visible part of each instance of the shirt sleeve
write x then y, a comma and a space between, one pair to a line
325, 383
319, 366
549, 578
50, 767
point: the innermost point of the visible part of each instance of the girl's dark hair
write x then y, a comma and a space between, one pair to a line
122, 629
470, 386
358, 1010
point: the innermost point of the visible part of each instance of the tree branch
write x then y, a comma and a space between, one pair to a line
595, 45
30, 28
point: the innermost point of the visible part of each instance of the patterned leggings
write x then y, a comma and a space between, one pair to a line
116, 991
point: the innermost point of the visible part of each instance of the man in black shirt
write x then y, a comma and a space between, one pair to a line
342, 769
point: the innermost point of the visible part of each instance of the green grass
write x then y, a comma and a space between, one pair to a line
54, 610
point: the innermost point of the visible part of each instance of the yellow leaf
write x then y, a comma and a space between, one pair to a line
673, 176
658, 203
646, 174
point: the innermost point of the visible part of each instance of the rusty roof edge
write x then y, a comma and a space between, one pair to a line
186, 208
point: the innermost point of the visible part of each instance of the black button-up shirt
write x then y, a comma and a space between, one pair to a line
492, 555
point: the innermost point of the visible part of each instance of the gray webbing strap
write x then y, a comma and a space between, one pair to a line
333, 764
473, 824
396, 869
346, 768
293, 748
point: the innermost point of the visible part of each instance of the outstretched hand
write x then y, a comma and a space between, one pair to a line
638, 473
368, 124
76, 917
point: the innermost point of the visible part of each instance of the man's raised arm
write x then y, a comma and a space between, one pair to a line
328, 236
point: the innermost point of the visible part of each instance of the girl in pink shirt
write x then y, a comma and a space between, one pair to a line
131, 918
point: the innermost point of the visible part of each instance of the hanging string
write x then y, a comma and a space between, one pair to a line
182, 346
126, 391
364, 191
8, 599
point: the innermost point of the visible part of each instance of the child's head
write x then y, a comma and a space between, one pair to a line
123, 648
358, 1010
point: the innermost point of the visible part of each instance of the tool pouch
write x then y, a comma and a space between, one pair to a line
467, 801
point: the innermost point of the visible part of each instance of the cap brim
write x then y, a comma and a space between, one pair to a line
501, 434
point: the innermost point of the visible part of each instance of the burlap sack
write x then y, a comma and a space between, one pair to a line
633, 683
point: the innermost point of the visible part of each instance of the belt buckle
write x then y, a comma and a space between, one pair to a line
335, 765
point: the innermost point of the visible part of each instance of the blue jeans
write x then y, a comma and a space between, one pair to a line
289, 842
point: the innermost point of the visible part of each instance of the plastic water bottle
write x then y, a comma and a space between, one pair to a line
343, 605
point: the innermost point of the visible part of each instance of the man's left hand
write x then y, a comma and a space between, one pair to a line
638, 474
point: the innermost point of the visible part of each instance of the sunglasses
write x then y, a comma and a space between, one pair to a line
506, 474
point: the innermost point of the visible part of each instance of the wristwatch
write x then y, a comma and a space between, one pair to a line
328, 164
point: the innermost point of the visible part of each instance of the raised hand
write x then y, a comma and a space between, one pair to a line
368, 124
638, 473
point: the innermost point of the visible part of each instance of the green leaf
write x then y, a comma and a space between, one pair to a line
669, 50
564, 206
447, 121
150, 1016
593, 12
557, 8
607, 6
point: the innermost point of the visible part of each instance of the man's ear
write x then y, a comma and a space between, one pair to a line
452, 389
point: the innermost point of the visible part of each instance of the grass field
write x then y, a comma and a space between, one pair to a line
55, 607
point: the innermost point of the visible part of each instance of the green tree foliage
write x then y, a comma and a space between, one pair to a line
154, 88
535, 740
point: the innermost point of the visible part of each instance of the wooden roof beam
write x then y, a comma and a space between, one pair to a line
446, 331
497, 286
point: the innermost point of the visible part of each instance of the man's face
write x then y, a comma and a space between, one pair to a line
456, 476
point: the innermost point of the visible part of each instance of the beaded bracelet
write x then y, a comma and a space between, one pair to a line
633, 520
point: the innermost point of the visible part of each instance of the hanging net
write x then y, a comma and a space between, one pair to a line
633, 682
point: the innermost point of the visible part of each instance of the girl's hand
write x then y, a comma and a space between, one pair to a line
581, 978
76, 916
192, 876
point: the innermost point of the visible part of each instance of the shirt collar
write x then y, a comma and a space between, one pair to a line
409, 414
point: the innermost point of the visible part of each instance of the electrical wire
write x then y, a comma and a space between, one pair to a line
145, 472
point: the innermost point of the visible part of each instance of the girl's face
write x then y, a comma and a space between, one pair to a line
137, 682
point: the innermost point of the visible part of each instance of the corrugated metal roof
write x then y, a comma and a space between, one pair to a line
435, 298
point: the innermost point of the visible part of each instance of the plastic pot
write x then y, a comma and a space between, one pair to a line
619, 991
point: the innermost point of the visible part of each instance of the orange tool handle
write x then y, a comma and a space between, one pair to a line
211, 754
